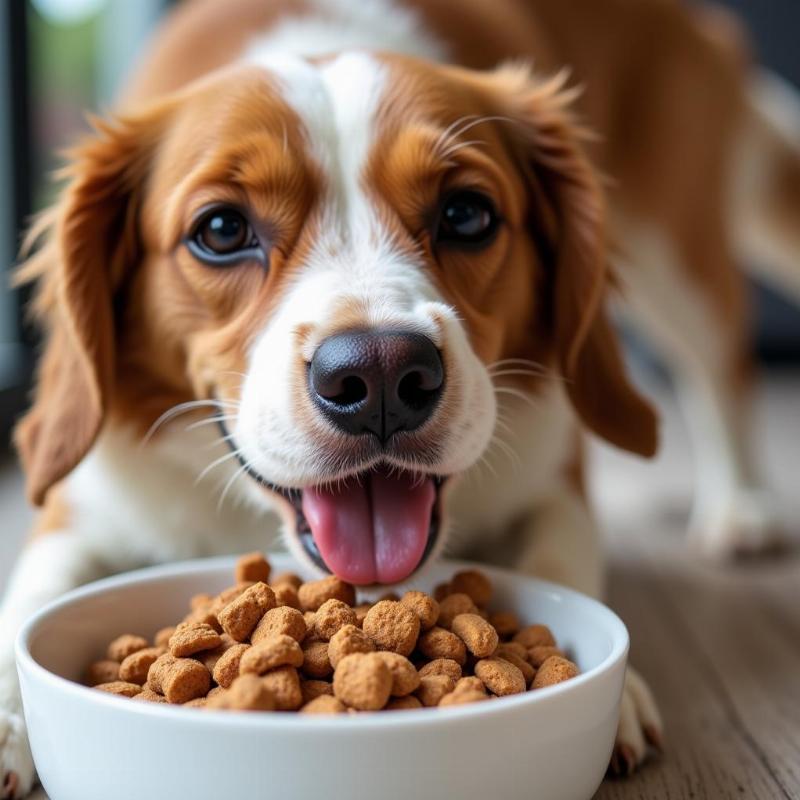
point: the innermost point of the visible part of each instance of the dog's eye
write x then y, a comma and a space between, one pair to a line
467, 218
223, 236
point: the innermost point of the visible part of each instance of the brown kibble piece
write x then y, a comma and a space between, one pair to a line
405, 678
463, 697
324, 704
440, 591
473, 583
534, 636
193, 637
442, 666
184, 680
506, 623
452, 606
477, 634
554, 670
252, 567
274, 651
122, 688
198, 702
363, 681
149, 696
500, 677
104, 671
204, 614
162, 637
347, 640
424, 606
125, 645
200, 601
441, 643
469, 683
226, 670
227, 596
316, 659
246, 693
330, 617
283, 619
284, 683
432, 688
286, 595
158, 670
408, 703
513, 647
313, 594
135, 667
287, 579
209, 658
240, 617
312, 689
538, 655
361, 612
392, 626
528, 672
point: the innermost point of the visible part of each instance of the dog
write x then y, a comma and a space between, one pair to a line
336, 274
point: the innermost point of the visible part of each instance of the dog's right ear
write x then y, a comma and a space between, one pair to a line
91, 242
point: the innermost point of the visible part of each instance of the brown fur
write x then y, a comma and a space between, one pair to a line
136, 326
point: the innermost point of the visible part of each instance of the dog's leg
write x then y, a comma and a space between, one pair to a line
697, 320
561, 542
53, 563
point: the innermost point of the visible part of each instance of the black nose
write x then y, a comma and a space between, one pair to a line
378, 382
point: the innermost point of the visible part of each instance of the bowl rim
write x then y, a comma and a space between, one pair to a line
285, 722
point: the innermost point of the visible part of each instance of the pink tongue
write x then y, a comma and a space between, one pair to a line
374, 531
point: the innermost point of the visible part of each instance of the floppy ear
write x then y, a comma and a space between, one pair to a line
574, 222
91, 241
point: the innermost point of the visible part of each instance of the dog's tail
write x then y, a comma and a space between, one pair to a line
766, 197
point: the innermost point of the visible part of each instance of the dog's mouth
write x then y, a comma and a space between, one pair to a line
376, 527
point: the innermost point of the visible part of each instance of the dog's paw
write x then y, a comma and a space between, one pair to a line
17, 773
640, 728
747, 525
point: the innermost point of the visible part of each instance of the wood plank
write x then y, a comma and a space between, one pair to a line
709, 754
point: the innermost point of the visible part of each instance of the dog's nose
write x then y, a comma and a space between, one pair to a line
377, 382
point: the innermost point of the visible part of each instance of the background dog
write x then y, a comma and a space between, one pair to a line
350, 260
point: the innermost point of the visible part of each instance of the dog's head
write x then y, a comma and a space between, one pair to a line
338, 252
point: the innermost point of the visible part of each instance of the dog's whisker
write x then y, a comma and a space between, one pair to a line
210, 420
508, 450
515, 361
239, 472
178, 410
516, 393
221, 440
216, 462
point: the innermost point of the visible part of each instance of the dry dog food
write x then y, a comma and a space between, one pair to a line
307, 647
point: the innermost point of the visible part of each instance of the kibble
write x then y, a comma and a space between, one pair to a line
363, 681
312, 595
392, 626
125, 645
554, 670
477, 634
285, 645
252, 567
239, 618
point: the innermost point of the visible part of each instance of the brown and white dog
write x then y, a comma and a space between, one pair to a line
346, 261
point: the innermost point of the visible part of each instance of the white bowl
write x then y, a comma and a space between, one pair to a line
549, 744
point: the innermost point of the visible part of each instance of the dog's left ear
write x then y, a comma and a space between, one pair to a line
90, 243
547, 145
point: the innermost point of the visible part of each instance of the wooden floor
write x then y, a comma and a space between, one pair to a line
719, 646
